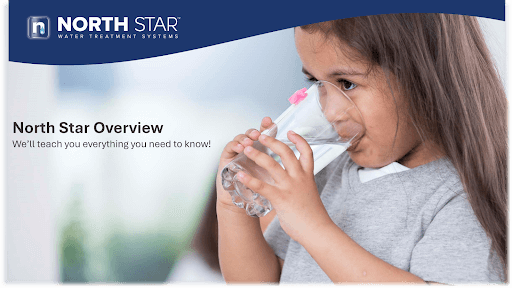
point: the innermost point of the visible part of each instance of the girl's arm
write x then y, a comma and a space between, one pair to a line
244, 254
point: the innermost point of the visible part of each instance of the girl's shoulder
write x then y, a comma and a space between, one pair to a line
449, 229
440, 183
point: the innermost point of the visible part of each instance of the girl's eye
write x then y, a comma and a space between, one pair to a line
347, 85
311, 79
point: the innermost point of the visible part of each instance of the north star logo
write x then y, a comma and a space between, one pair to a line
117, 24
38, 27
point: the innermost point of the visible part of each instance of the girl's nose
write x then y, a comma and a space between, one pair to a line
334, 104
332, 112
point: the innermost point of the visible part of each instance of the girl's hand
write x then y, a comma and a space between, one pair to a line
231, 150
295, 195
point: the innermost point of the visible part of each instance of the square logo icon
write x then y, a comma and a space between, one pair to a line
38, 27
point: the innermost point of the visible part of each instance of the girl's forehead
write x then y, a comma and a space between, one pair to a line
327, 55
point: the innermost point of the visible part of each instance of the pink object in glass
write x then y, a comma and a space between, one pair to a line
298, 96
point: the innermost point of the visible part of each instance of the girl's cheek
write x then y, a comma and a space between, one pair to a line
379, 133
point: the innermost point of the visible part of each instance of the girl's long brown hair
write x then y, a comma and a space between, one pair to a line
455, 97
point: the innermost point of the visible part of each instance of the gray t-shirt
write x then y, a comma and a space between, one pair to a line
418, 220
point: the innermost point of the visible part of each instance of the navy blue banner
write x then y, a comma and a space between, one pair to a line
93, 32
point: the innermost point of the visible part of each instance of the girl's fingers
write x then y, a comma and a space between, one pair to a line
252, 134
256, 185
236, 146
231, 150
306, 154
244, 140
266, 162
265, 124
287, 156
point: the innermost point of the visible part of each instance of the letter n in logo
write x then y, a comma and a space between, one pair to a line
38, 27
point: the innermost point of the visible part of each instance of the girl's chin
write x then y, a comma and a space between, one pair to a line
366, 161
361, 161
364, 155
358, 157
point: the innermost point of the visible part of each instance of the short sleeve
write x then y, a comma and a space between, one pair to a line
455, 247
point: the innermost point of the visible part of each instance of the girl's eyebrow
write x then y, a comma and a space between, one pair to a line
347, 71
339, 72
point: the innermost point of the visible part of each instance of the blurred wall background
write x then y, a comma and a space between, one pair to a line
82, 215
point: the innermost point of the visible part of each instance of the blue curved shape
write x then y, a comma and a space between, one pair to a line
197, 25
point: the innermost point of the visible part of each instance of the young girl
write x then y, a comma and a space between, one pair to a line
435, 115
